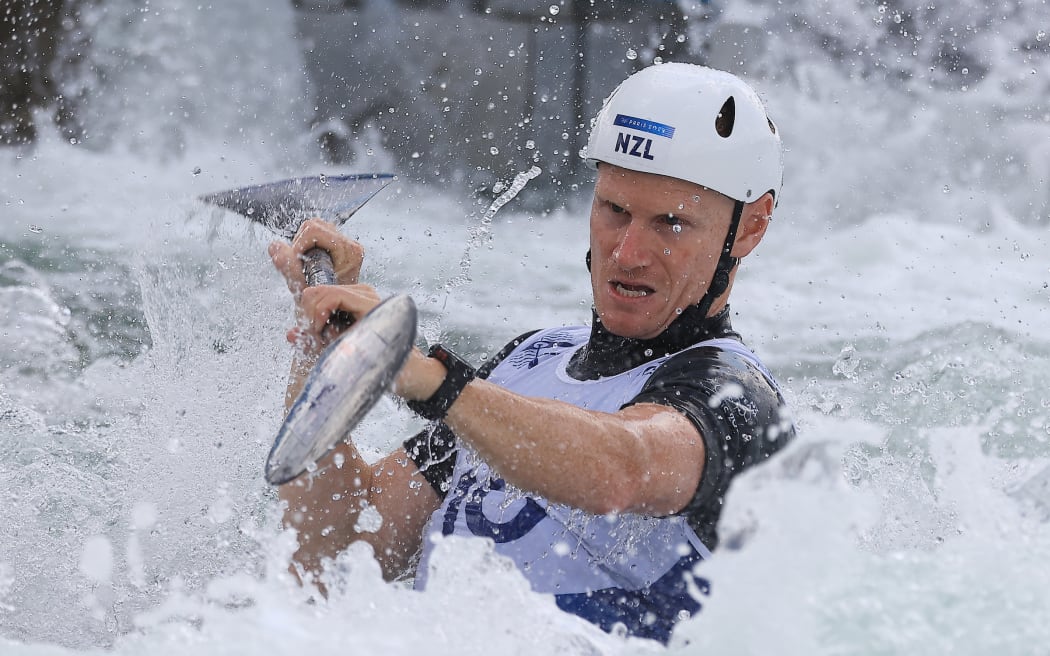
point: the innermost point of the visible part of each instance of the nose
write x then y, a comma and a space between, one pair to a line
632, 249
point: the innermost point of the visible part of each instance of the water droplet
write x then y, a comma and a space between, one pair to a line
477, 71
338, 459
196, 170
658, 60
1041, 35
946, 189
494, 150
847, 363
696, 199
667, 251
648, 352
554, 9
530, 144
35, 229
678, 310
676, 228
680, 38
632, 54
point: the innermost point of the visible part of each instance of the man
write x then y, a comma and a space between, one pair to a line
595, 458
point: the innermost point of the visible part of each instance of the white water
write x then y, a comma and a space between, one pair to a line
142, 363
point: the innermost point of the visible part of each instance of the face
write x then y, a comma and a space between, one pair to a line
655, 243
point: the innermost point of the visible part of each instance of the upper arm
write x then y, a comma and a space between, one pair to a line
733, 408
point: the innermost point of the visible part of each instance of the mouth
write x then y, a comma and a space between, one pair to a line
631, 291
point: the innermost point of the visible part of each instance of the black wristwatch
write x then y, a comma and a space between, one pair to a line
458, 374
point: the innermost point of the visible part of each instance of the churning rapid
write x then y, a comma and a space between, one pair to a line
901, 296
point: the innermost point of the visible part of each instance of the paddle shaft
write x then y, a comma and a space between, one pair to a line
319, 270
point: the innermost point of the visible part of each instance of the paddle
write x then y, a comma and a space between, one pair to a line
282, 207
352, 374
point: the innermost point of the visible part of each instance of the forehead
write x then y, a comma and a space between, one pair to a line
629, 187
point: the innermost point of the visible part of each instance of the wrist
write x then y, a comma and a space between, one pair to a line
421, 377
458, 374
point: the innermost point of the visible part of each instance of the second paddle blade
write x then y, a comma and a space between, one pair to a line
351, 376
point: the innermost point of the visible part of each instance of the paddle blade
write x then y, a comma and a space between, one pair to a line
282, 206
348, 380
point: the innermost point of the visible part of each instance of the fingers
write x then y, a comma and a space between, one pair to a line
318, 303
315, 305
347, 254
289, 265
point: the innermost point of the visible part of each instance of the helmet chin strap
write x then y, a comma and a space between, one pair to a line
726, 263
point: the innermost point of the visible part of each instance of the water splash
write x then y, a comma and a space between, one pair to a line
481, 234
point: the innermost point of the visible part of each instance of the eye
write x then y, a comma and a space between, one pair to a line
616, 209
670, 223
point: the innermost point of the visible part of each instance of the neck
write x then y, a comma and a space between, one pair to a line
606, 354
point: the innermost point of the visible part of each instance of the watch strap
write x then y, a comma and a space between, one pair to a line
458, 374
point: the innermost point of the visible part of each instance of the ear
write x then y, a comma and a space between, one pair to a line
753, 223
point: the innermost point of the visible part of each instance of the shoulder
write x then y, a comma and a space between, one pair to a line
724, 366
727, 391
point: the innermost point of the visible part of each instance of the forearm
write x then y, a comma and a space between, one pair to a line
308, 500
302, 364
326, 508
323, 507
642, 459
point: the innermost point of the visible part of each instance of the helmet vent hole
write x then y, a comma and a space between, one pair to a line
772, 128
725, 119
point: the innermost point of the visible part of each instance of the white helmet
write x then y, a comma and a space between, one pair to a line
662, 120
